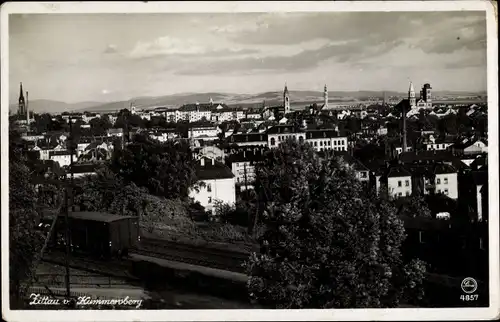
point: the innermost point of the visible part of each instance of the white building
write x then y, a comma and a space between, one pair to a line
62, 157
398, 181
219, 184
446, 181
281, 133
115, 132
205, 131
322, 140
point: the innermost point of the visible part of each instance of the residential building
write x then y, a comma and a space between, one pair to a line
203, 131
249, 139
219, 184
63, 157
326, 139
243, 161
397, 179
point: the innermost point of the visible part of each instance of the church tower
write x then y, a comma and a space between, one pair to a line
21, 109
411, 96
325, 97
286, 100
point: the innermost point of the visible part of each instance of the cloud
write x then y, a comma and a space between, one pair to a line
110, 49
303, 59
433, 27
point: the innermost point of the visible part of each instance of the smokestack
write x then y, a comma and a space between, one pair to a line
404, 128
27, 110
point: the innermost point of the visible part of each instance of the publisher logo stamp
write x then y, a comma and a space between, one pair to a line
469, 285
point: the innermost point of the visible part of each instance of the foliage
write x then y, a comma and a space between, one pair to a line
24, 239
100, 125
327, 244
107, 193
165, 169
414, 206
126, 120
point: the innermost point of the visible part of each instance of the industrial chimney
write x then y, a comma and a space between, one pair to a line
27, 109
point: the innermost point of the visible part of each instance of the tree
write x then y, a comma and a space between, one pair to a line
126, 120
24, 239
165, 169
327, 244
99, 125
414, 206
42, 123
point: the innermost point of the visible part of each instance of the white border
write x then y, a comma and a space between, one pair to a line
247, 315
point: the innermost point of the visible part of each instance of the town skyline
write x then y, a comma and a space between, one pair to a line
243, 53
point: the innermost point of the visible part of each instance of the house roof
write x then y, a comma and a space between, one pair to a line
62, 152
213, 169
398, 171
322, 133
283, 128
248, 137
431, 155
97, 216
206, 107
247, 154
444, 168
115, 130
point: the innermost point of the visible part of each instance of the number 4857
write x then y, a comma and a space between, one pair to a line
469, 297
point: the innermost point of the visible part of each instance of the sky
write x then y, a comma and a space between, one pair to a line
109, 57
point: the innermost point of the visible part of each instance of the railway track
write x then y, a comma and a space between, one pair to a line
213, 258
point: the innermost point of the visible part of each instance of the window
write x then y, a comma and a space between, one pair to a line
407, 183
320, 143
399, 184
329, 143
273, 141
481, 243
446, 191
364, 174
400, 194
315, 143
445, 180
438, 181
421, 237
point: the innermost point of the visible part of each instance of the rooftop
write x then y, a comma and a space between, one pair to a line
212, 169
398, 171
97, 216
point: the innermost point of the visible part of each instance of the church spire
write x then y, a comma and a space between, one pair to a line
411, 96
22, 105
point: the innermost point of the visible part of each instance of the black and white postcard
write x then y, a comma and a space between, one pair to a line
313, 160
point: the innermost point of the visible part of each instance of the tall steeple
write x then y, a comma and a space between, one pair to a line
325, 97
411, 96
22, 104
286, 100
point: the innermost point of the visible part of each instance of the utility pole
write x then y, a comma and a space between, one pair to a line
245, 173
68, 187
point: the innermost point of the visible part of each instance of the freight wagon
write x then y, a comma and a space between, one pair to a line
97, 234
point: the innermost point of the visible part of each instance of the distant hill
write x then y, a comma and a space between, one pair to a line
49, 106
176, 100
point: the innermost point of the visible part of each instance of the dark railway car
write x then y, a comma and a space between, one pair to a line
98, 234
